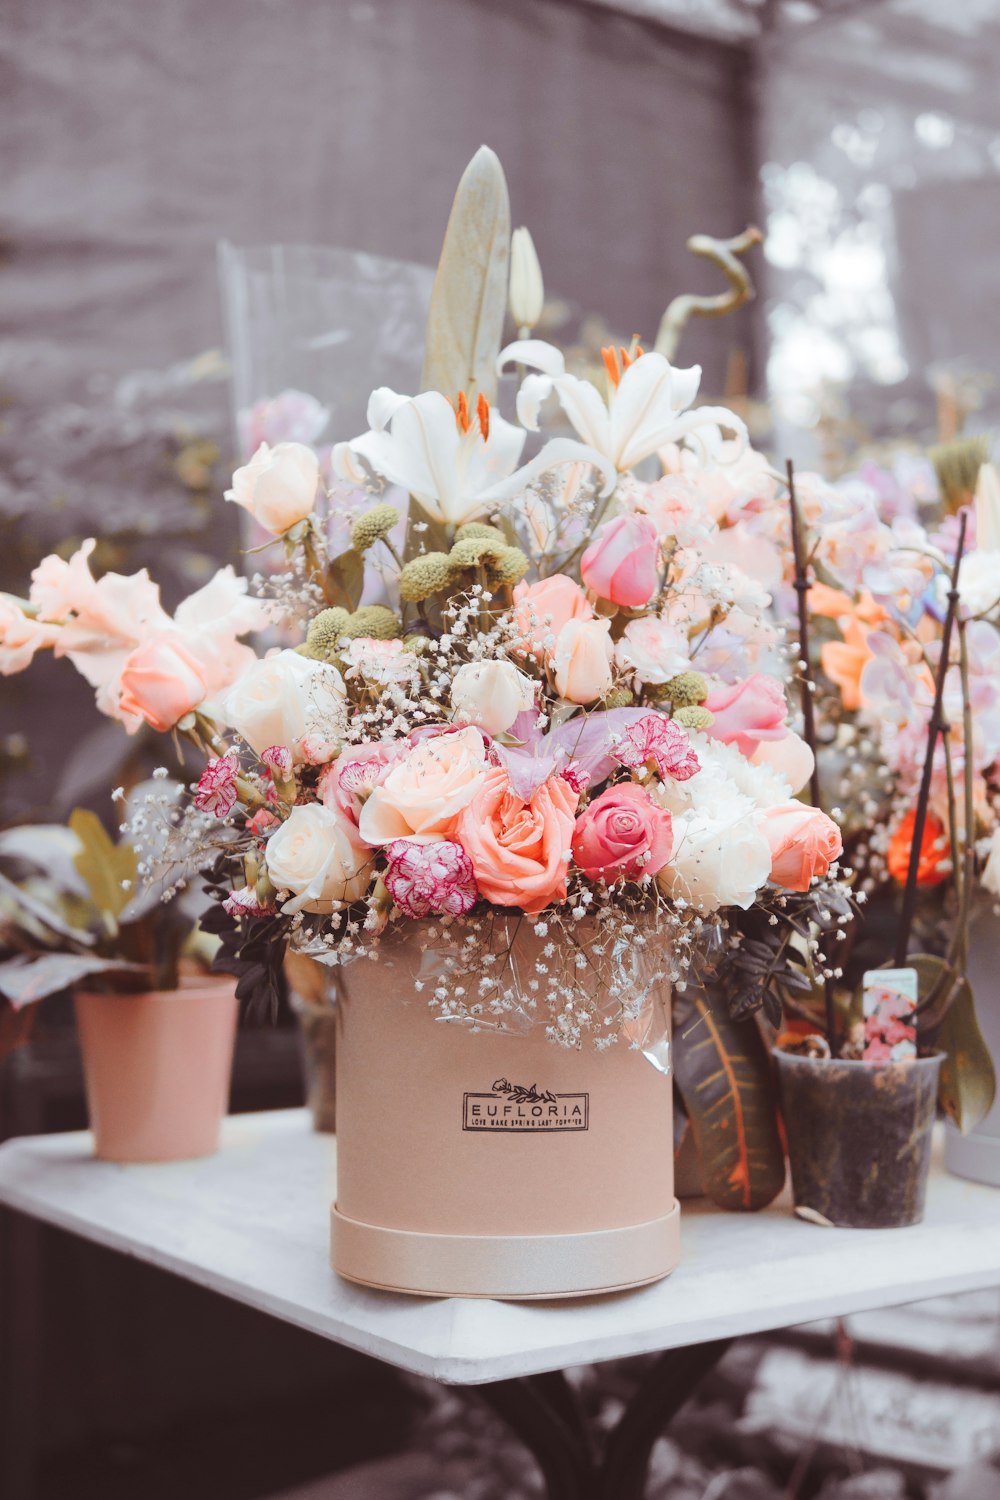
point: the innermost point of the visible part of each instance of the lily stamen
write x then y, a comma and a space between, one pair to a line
483, 413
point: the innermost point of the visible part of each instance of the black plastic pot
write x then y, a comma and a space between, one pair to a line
859, 1137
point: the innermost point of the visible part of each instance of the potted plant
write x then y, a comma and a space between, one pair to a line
156, 1026
905, 623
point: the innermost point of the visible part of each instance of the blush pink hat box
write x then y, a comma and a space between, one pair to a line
489, 1164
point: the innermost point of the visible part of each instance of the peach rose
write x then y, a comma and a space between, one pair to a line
790, 757
582, 660
519, 850
542, 609
748, 712
162, 681
423, 794
622, 562
277, 486
623, 832
804, 842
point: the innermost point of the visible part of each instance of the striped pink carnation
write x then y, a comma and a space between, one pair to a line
428, 880
658, 739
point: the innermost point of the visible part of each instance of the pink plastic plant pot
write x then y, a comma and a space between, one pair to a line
492, 1165
157, 1069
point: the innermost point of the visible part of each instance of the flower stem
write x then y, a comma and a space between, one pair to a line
806, 685
935, 728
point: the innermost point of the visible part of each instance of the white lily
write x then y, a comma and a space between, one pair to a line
646, 407
988, 509
458, 464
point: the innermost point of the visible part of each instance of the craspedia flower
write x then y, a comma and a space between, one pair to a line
324, 633
375, 622
423, 576
685, 689
693, 716
481, 529
509, 568
619, 697
477, 552
374, 526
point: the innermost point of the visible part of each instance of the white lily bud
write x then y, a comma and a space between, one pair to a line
988, 509
527, 290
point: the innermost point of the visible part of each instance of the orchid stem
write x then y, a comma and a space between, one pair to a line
934, 729
806, 692
806, 685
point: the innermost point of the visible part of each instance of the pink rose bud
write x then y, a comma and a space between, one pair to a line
748, 712
542, 609
621, 562
162, 681
804, 843
623, 833
216, 789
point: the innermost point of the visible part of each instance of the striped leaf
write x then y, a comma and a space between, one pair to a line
723, 1072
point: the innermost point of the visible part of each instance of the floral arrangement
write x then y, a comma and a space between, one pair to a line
545, 690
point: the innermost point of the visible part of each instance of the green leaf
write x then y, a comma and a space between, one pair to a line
968, 1082
345, 579
109, 869
723, 1072
465, 322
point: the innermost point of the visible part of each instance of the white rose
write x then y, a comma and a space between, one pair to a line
284, 698
653, 649
991, 873
317, 855
491, 694
720, 857
277, 486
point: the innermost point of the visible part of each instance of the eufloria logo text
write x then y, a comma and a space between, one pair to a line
511, 1106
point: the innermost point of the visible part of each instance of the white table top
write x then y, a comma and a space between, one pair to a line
253, 1224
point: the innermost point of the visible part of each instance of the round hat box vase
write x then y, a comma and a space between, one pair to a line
157, 1068
486, 1164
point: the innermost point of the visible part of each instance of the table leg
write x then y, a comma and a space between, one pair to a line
20, 1353
543, 1412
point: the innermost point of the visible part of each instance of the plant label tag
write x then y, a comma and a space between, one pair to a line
889, 998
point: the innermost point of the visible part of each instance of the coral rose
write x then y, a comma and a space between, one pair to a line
804, 842
622, 833
748, 712
621, 562
520, 850
162, 681
582, 660
935, 862
542, 609
424, 792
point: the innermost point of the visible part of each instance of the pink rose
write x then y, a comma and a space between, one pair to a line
622, 833
804, 842
519, 850
161, 682
621, 562
542, 609
748, 712
346, 785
